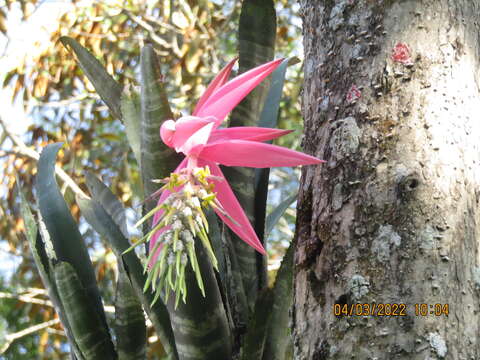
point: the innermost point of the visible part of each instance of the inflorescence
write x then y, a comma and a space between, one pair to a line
178, 221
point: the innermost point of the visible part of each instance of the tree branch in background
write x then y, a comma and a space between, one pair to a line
25, 298
24, 150
10, 338
148, 28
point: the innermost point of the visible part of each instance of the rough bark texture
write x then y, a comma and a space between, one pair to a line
393, 217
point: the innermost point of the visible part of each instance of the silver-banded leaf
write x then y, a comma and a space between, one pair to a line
276, 214
158, 160
230, 276
91, 336
27, 216
103, 223
200, 325
269, 336
102, 194
257, 32
37, 247
109, 90
130, 107
215, 236
67, 243
279, 340
256, 44
130, 328
232, 290
33, 236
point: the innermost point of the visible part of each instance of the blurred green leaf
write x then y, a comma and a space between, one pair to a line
130, 106
276, 214
108, 89
130, 327
102, 194
34, 240
271, 106
30, 224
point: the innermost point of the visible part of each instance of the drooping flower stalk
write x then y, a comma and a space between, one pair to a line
179, 219
198, 182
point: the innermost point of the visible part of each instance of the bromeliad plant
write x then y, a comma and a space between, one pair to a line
207, 317
199, 182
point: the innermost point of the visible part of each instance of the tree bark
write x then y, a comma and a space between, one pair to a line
393, 216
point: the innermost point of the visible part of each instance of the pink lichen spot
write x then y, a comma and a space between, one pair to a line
401, 54
353, 94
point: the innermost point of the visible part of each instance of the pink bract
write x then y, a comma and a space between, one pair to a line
203, 143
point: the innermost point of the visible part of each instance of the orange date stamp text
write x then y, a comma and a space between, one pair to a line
390, 309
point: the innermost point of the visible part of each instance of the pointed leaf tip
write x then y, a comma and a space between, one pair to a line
109, 90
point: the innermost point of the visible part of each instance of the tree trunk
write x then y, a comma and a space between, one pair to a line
391, 102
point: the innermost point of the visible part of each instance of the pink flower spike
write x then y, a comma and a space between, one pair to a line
254, 154
247, 133
204, 144
230, 204
179, 221
216, 83
223, 100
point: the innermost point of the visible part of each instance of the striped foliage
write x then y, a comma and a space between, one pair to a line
236, 300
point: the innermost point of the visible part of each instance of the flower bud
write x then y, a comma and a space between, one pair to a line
187, 211
178, 204
186, 236
171, 258
168, 236
194, 202
202, 194
177, 225
188, 189
178, 246
168, 200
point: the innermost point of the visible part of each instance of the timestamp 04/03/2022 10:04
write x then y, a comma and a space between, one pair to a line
391, 309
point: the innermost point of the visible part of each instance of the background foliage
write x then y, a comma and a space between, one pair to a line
193, 39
